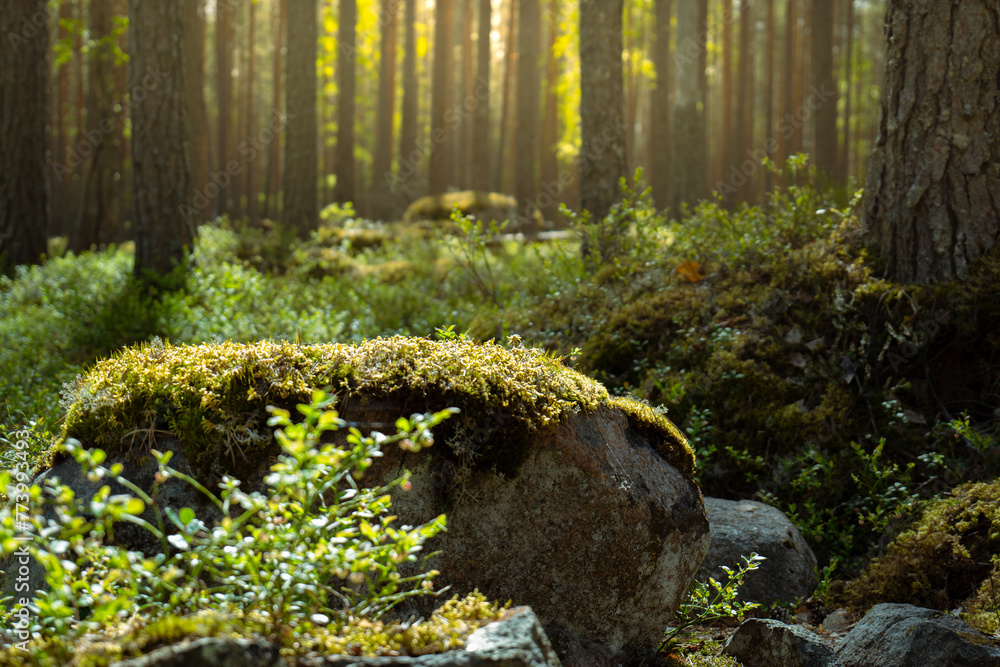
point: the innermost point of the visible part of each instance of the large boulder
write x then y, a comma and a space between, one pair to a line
742, 527
901, 635
557, 495
767, 643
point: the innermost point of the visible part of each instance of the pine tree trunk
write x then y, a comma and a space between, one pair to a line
164, 220
769, 89
548, 197
689, 121
224, 94
932, 198
726, 116
251, 160
481, 131
95, 206
443, 88
273, 187
301, 205
382, 162
528, 113
347, 83
505, 112
660, 129
602, 113
24, 75
743, 137
825, 143
194, 77
410, 159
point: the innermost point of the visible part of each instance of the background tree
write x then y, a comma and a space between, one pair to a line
528, 108
164, 224
408, 121
660, 127
382, 163
347, 80
689, 110
602, 113
96, 194
825, 143
301, 206
225, 133
931, 197
24, 73
481, 121
194, 77
443, 92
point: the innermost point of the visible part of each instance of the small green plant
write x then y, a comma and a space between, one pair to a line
713, 600
315, 548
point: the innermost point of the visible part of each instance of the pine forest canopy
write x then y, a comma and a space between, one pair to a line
416, 97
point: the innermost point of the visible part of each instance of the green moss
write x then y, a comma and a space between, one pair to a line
439, 207
675, 448
213, 397
943, 560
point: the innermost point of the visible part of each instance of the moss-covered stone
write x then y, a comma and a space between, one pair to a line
944, 560
213, 396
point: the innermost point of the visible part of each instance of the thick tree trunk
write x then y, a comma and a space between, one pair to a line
24, 75
443, 89
825, 142
932, 200
660, 131
382, 162
301, 209
528, 112
481, 130
164, 218
96, 200
602, 112
689, 112
347, 83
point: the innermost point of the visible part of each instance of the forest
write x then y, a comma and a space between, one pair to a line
764, 231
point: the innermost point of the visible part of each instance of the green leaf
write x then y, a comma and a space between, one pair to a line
187, 515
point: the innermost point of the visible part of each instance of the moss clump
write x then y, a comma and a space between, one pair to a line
943, 560
213, 397
447, 629
469, 202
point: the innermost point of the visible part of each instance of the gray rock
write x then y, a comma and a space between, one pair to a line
594, 531
901, 635
766, 643
515, 641
210, 652
741, 527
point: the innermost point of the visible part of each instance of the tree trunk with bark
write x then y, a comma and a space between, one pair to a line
164, 220
225, 204
96, 200
301, 205
481, 120
689, 110
24, 76
602, 105
382, 160
410, 159
347, 83
273, 187
443, 93
660, 131
825, 126
932, 198
528, 113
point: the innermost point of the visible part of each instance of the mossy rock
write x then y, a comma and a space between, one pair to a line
484, 206
949, 557
213, 397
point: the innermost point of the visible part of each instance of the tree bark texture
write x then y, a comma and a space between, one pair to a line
825, 142
382, 162
301, 204
481, 120
164, 221
602, 106
24, 75
443, 92
689, 108
660, 129
932, 198
194, 76
528, 111
347, 83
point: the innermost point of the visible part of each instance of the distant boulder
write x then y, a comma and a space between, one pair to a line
484, 206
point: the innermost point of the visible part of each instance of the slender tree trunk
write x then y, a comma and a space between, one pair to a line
786, 138
660, 130
443, 86
194, 77
745, 100
164, 222
96, 191
689, 121
769, 92
468, 98
845, 154
347, 84
825, 146
251, 159
931, 200
481, 132
528, 113
548, 197
24, 76
224, 92
301, 206
602, 121
382, 162
273, 188
410, 158
505, 112
726, 116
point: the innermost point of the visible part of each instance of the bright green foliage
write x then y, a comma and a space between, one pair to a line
315, 549
712, 600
